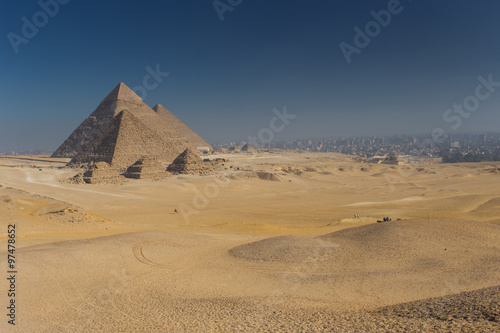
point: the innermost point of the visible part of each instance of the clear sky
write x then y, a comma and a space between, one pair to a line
226, 76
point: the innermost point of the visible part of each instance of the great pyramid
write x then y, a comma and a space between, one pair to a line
122, 142
121, 98
182, 128
190, 163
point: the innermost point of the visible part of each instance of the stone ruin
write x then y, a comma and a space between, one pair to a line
146, 168
97, 173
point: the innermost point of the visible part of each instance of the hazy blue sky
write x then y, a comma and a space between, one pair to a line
227, 76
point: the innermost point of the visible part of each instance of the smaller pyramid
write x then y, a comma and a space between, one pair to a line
392, 158
221, 151
182, 128
123, 142
190, 163
234, 148
271, 176
100, 173
248, 148
262, 175
146, 168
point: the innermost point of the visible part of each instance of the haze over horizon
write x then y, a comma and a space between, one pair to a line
226, 76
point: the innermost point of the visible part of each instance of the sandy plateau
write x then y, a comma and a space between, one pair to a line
297, 251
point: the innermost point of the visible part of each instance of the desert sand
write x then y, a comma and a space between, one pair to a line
268, 242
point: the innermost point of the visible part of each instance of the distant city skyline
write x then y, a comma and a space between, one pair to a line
372, 68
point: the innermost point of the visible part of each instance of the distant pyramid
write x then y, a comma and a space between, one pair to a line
190, 163
124, 140
120, 98
182, 128
248, 148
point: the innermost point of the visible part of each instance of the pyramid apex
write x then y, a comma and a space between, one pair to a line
159, 107
189, 151
123, 112
124, 93
187, 154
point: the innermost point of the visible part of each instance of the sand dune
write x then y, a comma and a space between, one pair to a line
287, 249
257, 255
153, 275
480, 307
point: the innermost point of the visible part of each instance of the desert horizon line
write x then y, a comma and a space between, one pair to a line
347, 137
